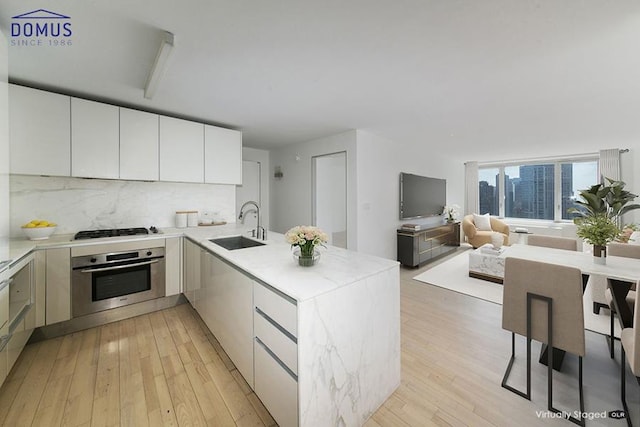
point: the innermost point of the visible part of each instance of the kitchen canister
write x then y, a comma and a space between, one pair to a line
181, 219
192, 218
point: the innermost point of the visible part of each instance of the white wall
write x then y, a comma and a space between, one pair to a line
4, 138
373, 172
380, 162
262, 157
291, 195
83, 204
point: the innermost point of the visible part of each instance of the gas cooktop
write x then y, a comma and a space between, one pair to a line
114, 232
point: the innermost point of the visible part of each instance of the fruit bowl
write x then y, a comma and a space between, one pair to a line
38, 233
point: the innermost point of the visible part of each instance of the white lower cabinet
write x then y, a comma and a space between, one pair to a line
191, 263
276, 387
226, 306
58, 285
173, 265
276, 354
255, 324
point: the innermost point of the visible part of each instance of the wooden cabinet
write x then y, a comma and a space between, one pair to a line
58, 274
139, 145
275, 323
419, 247
222, 155
39, 132
173, 263
181, 150
226, 307
95, 138
191, 278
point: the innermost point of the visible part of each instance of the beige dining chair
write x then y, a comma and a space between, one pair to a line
630, 349
597, 284
630, 301
543, 302
565, 243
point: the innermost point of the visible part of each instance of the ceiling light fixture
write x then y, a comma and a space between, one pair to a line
159, 66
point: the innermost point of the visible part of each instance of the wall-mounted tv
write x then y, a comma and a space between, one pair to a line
421, 196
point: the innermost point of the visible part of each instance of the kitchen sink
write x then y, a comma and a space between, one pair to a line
236, 242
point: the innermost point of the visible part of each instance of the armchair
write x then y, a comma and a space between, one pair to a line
477, 237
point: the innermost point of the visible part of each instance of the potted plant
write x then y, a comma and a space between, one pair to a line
599, 212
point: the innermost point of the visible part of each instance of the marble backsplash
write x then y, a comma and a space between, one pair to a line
84, 204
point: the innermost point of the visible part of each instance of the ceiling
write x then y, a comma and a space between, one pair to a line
481, 79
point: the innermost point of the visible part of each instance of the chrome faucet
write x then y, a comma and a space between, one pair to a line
259, 231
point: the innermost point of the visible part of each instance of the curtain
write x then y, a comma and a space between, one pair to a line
609, 164
471, 188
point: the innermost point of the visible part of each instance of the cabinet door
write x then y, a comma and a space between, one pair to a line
94, 139
4, 304
275, 386
227, 310
139, 145
40, 293
172, 265
40, 132
191, 264
58, 285
181, 150
223, 155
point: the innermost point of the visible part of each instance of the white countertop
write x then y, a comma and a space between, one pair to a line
272, 263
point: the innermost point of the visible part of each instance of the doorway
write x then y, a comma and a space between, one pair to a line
330, 196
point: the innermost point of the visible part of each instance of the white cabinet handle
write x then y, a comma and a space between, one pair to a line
274, 357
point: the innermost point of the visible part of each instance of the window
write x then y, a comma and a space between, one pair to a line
541, 190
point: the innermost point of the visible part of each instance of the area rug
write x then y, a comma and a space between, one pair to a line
453, 274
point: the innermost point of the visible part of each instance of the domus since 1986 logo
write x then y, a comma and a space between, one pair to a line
41, 28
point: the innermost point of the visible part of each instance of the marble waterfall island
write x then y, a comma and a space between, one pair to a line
346, 327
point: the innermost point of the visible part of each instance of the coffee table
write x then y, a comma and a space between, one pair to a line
487, 266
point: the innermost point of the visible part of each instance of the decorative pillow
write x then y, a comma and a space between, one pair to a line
482, 222
634, 239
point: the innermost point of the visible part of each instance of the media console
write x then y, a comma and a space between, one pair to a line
422, 246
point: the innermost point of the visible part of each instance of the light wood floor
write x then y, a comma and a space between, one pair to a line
165, 368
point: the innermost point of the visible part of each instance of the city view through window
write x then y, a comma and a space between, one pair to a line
530, 191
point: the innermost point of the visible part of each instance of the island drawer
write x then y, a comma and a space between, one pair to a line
277, 307
275, 386
280, 342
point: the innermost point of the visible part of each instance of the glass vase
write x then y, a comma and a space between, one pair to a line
306, 260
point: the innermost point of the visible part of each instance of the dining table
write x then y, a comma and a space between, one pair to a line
623, 272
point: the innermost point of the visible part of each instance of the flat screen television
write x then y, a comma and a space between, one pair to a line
421, 196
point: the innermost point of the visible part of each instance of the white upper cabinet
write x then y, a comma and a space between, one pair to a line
138, 145
181, 150
223, 155
40, 132
94, 139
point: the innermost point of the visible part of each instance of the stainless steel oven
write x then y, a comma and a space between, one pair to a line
103, 281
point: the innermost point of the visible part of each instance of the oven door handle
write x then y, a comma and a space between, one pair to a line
119, 267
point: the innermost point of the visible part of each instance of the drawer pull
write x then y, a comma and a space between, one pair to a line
276, 325
274, 357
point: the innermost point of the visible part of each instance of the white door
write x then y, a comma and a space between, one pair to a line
330, 196
249, 190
